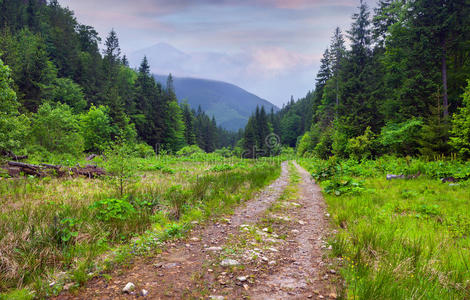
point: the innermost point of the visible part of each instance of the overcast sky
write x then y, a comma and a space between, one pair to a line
271, 48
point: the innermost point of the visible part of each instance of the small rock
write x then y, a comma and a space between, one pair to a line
194, 222
229, 263
242, 278
210, 270
294, 231
217, 297
144, 293
321, 297
214, 249
158, 265
130, 287
301, 222
264, 258
195, 239
272, 262
68, 286
310, 296
171, 265
332, 271
333, 296
327, 215
265, 229
246, 287
188, 246
273, 249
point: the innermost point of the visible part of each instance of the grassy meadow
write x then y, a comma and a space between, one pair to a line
399, 239
55, 231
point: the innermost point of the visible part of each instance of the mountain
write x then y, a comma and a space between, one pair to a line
229, 104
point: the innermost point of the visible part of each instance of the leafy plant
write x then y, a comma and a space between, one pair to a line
109, 210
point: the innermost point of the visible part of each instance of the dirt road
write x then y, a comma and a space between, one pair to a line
272, 247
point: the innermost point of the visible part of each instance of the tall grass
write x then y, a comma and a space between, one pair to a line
402, 239
51, 225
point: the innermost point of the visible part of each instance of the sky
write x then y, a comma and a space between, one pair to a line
271, 48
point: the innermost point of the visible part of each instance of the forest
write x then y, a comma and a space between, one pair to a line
400, 88
62, 96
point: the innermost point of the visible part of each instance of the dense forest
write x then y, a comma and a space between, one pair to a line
61, 95
399, 89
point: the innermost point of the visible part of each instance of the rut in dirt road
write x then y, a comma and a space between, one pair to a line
181, 271
305, 274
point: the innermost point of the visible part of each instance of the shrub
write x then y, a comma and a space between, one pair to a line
13, 127
460, 132
57, 129
401, 138
109, 210
364, 146
96, 129
120, 165
189, 151
143, 150
324, 146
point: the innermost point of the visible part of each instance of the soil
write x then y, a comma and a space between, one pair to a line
292, 267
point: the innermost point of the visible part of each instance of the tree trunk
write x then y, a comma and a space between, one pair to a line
444, 81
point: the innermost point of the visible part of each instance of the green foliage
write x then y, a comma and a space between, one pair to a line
110, 210
401, 138
65, 91
13, 127
390, 233
96, 129
57, 129
120, 164
66, 231
342, 185
460, 132
324, 147
143, 150
364, 146
189, 151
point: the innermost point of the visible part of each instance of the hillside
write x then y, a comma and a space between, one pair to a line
230, 104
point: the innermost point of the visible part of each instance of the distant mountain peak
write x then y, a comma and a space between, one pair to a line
229, 104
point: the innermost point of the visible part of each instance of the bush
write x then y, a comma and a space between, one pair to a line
364, 146
120, 165
402, 138
324, 146
96, 129
224, 152
189, 151
57, 129
143, 150
460, 132
109, 210
13, 127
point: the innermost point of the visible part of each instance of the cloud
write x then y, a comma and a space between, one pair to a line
270, 47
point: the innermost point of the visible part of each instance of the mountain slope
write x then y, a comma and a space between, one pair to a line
229, 104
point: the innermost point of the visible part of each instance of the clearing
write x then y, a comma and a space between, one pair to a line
271, 247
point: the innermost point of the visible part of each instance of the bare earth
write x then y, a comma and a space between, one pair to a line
285, 262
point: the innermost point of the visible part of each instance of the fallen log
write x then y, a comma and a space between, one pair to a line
15, 169
13, 156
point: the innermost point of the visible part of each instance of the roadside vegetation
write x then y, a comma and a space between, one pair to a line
63, 231
399, 238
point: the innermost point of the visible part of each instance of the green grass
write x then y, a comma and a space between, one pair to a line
83, 226
401, 239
